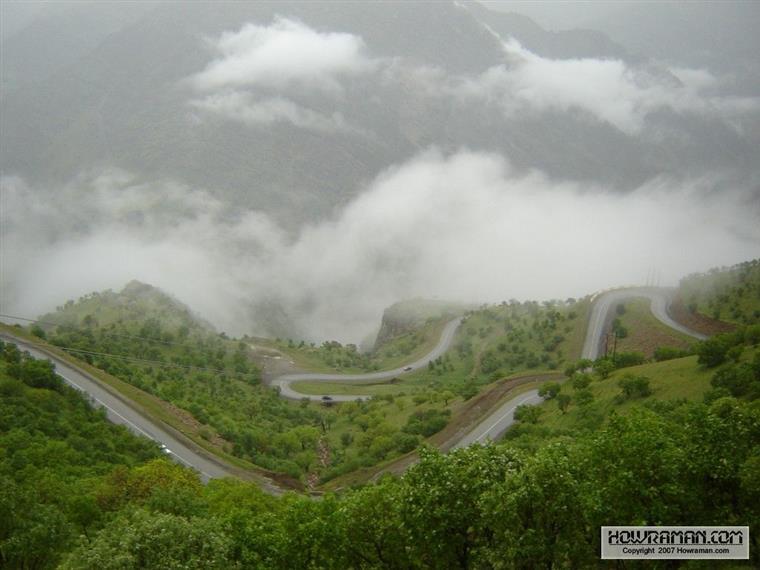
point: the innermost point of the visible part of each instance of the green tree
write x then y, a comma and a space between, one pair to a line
580, 381
603, 368
138, 539
372, 529
538, 517
440, 503
634, 387
528, 414
549, 390
712, 352
563, 402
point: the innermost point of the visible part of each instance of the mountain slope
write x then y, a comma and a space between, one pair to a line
126, 103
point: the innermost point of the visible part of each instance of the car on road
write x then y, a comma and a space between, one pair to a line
407, 368
165, 449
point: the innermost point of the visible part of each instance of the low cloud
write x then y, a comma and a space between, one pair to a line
281, 55
609, 90
460, 227
261, 70
277, 73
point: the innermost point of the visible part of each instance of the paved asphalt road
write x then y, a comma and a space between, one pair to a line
601, 314
186, 452
494, 426
119, 412
284, 382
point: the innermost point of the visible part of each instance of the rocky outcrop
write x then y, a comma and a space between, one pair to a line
407, 316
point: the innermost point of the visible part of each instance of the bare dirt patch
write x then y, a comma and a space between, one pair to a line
697, 321
467, 415
271, 362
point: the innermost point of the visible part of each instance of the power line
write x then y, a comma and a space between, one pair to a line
133, 358
148, 339
153, 362
144, 360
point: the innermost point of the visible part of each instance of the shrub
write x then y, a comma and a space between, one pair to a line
663, 353
549, 390
712, 352
626, 359
528, 414
634, 387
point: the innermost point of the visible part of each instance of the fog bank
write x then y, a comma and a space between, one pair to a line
462, 226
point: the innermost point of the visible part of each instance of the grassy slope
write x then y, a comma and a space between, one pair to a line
645, 332
398, 351
673, 380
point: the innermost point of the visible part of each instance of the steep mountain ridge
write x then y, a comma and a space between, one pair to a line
126, 103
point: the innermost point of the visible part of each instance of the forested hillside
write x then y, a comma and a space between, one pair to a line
729, 294
481, 507
215, 395
55, 452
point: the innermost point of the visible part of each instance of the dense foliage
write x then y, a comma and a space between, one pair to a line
80, 493
480, 507
54, 450
169, 353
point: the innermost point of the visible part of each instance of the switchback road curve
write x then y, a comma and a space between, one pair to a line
119, 410
286, 391
496, 423
604, 303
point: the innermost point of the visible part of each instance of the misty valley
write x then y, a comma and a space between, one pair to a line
376, 285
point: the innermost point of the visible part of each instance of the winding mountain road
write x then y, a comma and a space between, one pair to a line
496, 423
601, 315
284, 382
120, 410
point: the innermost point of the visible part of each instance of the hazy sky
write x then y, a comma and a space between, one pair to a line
457, 223
461, 226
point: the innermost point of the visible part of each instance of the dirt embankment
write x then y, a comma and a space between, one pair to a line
466, 416
697, 321
472, 411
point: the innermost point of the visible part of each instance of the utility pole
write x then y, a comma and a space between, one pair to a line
606, 343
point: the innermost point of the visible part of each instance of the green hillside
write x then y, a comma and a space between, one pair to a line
494, 342
729, 294
669, 442
207, 385
727, 365
55, 451
687, 463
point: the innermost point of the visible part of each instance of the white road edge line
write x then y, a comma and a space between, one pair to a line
106, 406
501, 418
146, 434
